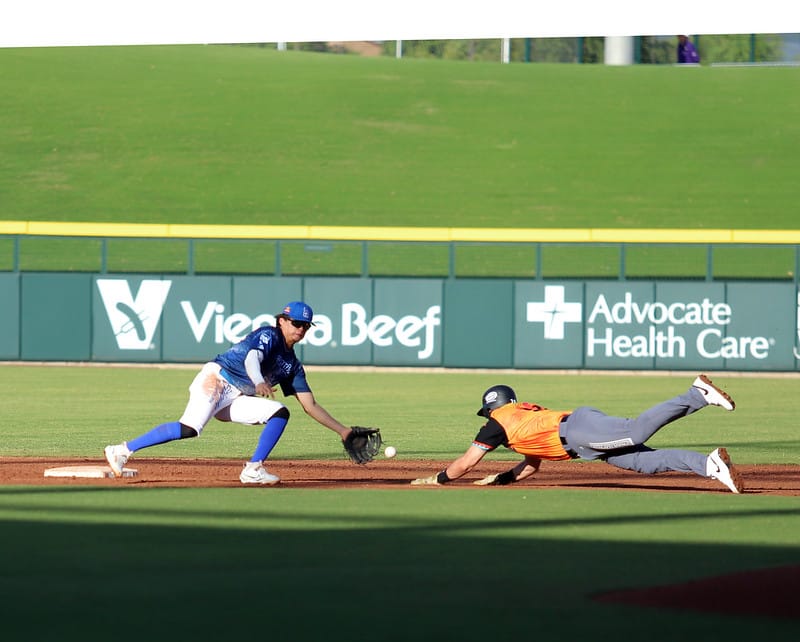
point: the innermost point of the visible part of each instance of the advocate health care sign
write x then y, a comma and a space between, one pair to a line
574, 324
659, 325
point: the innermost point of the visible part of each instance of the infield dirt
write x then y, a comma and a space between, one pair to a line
395, 473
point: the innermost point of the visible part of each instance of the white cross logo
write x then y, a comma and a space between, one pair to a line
554, 312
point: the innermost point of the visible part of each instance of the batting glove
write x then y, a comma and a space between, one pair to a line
426, 481
489, 480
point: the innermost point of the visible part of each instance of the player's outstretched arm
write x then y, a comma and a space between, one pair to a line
320, 415
458, 468
525, 468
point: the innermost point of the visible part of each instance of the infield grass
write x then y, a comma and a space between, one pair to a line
424, 414
188, 564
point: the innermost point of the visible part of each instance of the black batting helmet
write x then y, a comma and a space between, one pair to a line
495, 397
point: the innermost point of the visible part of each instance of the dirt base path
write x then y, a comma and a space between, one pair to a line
395, 473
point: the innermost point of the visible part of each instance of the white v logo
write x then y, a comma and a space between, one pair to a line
133, 320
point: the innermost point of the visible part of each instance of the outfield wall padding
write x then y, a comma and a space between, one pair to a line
456, 323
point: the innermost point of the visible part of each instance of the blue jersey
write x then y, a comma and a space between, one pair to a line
279, 365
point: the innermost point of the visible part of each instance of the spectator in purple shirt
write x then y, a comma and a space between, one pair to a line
686, 51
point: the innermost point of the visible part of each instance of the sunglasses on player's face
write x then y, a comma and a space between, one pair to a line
305, 325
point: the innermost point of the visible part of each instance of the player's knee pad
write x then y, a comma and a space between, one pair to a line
187, 432
282, 413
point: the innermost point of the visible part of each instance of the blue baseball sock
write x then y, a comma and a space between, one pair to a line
272, 432
158, 435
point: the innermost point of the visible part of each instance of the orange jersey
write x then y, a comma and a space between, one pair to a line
532, 430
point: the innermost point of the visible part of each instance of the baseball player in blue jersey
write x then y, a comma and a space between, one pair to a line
238, 385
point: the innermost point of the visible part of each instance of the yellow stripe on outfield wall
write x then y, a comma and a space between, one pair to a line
239, 231
424, 234
42, 228
646, 235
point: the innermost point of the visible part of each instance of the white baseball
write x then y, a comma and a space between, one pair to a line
390, 451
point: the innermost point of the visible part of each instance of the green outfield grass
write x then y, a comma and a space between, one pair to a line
221, 134
406, 564
246, 135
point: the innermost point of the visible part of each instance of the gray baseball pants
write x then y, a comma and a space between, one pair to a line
592, 434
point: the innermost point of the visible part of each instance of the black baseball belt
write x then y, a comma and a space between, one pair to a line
562, 428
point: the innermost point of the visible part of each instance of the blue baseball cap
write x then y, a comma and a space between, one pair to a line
298, 311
